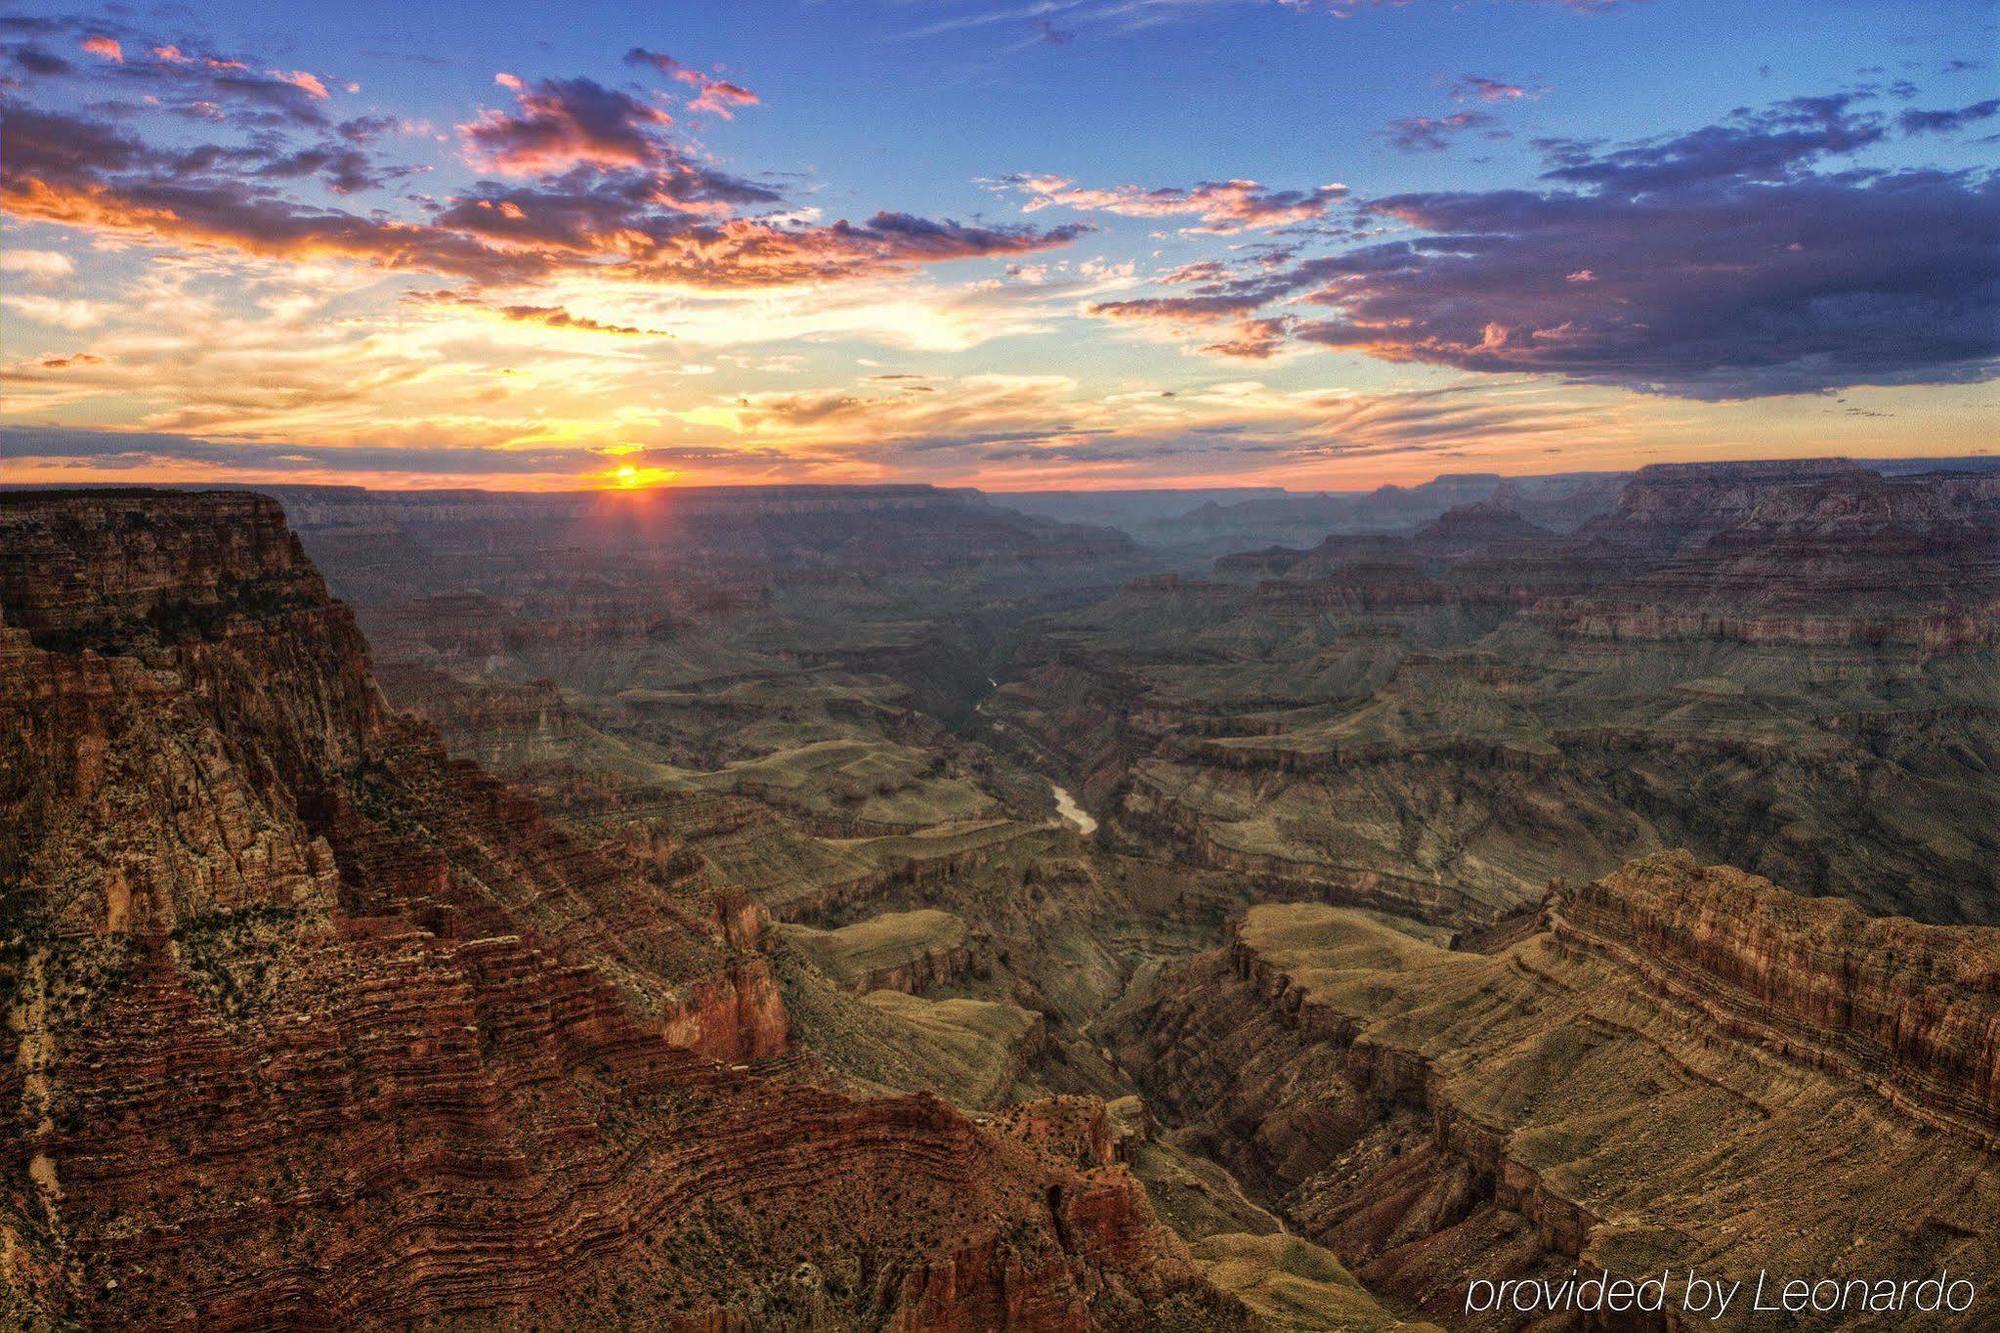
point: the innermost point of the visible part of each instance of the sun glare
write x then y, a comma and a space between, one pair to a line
631, 477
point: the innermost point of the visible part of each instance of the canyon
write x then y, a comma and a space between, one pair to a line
901, 907
309, 1023
1652, 1076
1790, 668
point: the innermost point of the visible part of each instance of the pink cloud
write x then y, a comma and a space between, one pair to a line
1479, 88
100, 45
300, 79
1222, 206
561, 123
717, 96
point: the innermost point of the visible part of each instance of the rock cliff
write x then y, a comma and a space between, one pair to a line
1787, 666
1684, 1065
311, 1024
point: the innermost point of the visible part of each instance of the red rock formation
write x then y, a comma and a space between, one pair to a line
311, 1025
1908, 1010
1686, 1065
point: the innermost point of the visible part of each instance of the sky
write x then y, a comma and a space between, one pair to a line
1025, 244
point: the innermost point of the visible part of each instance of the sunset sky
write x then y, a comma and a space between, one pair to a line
1067, 243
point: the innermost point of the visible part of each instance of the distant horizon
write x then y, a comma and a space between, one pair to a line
1901, 465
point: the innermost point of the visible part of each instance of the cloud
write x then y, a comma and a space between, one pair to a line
1127, 16
34, 60
127, 450
721, 98
93, 176
74, 314
1768, 144
561, 123
1223, 207
345, 168
37, 265
172, 78
1252, 340
1914, 121
656, 225
1478, 88
746, 252
1181, 310
309, 84
1434, 134
714, 95
1716, 264
1708, 290
552, 317
1224, 316
1042, 429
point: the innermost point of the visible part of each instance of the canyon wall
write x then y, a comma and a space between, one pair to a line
1787, 666
311, 1023
1684, 1066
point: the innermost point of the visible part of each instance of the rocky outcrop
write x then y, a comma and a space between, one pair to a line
146, 566
1909, 1011
1851, 557
311, 1024
1776, 665
1686, 1065
911, 952
502, 725
1665, 509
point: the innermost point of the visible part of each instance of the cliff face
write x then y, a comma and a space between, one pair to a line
1911, 1012
79, 566
1790, 667
1666, 508
1684, 1065
1852, 557
309, 1023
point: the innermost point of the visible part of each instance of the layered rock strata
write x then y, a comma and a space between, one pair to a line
1686, 1066
1786, 666
311, 1024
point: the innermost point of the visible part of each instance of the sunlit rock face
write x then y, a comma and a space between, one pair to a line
310, 1023
1676, 1065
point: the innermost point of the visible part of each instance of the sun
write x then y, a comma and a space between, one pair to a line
630, 477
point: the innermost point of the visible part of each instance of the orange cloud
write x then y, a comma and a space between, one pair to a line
108, 47
94, 176
553, 317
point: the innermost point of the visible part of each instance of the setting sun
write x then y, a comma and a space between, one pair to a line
630, 477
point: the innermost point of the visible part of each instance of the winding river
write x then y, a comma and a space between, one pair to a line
1067, 807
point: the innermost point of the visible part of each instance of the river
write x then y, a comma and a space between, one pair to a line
1067, 807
